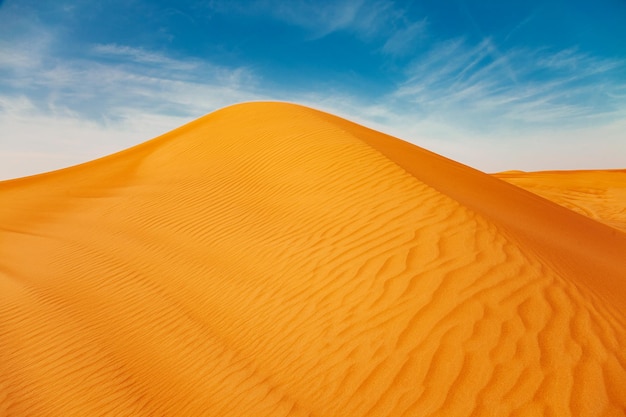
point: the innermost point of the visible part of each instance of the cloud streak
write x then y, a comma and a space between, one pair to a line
318, 18
517, 87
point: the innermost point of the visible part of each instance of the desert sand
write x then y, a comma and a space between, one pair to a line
272, 260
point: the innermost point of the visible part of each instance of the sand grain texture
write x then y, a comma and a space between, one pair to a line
273, 260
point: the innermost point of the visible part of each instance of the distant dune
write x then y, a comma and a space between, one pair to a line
273, 260
600, 195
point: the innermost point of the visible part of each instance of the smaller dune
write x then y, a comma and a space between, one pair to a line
599, 194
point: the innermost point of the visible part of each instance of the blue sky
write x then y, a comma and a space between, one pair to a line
496, 85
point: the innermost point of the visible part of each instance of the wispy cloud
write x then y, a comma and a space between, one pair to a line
383, 24
402, 40
520, 25
322, 20
138, 55
310, 15
365, 18
108, 79
473, 84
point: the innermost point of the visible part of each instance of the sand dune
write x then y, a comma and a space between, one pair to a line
272, 260
599, 194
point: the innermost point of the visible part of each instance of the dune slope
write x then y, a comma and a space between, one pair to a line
273, 260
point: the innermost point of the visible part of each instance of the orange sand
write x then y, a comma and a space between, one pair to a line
272, 260
600, 195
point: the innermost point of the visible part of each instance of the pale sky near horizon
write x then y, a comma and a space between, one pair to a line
529, 85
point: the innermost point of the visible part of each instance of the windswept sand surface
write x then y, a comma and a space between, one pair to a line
272, 260
600, 195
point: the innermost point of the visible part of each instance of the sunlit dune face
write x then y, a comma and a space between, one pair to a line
272, 260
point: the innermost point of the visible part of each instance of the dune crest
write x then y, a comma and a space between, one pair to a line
273, 260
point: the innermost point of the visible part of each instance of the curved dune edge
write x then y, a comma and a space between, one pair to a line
599, 194
273, 260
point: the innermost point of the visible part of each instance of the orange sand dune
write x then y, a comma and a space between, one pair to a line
599, 194
273, 260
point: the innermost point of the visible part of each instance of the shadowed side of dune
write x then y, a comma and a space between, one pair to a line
577, 245
273, 260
